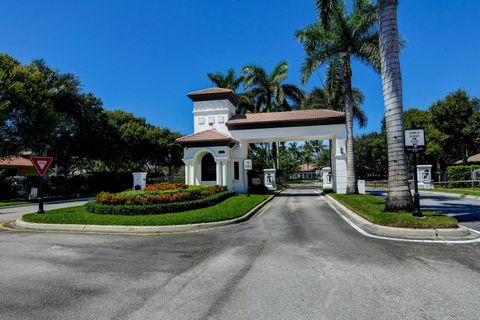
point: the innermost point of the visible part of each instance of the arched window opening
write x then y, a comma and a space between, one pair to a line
209, 168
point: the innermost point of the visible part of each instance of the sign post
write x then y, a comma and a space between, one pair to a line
247, 165
41, 164
415, 143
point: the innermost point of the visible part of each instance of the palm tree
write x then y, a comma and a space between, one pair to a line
270, 93
399, 196
228, 81
343, 37
332, 95
232, 82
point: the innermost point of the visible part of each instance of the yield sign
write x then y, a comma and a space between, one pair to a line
41, 164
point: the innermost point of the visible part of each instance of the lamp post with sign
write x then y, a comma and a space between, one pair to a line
415, 143
247, 166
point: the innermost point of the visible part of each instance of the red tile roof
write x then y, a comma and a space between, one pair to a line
308, 167
209, 91
15, 161
472, 159
284, 119
214, 94
209, 137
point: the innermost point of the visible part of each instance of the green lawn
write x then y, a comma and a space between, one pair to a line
4, 203
372, 209
462, 191
231, 208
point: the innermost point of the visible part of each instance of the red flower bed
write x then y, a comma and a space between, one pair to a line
165, 186
158, 197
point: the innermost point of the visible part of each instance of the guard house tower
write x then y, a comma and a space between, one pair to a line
214, 153
211, 155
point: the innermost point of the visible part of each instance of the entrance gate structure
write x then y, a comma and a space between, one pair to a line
214, 153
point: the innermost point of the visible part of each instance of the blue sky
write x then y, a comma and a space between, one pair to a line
144, 56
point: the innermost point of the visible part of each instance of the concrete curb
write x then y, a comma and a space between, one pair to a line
456, 195
20, 224
460, 233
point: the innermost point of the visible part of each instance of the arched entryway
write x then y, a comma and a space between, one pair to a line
208, 168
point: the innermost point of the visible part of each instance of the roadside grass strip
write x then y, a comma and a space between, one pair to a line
462, 191
372, 209
7, 203
231, 208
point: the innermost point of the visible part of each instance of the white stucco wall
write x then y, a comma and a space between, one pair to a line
218, 111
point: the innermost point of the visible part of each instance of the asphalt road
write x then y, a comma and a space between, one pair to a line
296, 260
15, 212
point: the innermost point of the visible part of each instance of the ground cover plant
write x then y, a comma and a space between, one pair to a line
231, 208
373, 209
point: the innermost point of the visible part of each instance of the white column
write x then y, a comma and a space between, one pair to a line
192, 173
187, 173
339, 170
224, 173
219, 172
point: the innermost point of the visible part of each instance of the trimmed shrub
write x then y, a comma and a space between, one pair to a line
168, 207
458, 173
165, 186
158, 197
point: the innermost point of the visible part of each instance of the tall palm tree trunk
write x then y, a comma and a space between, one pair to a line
399, 196
351, 179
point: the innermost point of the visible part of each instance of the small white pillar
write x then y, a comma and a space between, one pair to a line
270, 179
424, 176
139, 180
327, 178
339, 166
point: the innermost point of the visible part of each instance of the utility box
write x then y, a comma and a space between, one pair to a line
424, 176
270, 179
33, 193
139, 180
361, 186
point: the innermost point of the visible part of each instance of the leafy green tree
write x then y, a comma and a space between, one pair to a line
435, 151
457, 116
371, 155
27, 115
343, 37
289, 159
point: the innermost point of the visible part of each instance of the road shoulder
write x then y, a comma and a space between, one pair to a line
460, 234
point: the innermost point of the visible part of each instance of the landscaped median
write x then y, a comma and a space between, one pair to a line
155, 209
368, 213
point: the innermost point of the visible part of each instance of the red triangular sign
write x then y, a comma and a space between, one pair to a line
41, 164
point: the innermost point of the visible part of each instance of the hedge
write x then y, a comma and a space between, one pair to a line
168, 207
137, 197
459, 173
